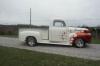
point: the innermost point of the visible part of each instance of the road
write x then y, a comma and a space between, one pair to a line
91, 52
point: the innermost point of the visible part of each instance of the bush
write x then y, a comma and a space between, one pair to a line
10, 33
2, 33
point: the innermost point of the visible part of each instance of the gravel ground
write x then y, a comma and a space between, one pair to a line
91, 52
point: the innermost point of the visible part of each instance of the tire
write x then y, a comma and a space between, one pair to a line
31, 41
80, 43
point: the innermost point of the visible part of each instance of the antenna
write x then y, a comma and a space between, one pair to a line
30, 17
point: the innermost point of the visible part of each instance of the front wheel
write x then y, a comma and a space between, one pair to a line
80, 43
31, 41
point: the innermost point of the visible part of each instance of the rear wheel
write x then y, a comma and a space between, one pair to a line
80, 43
31, 41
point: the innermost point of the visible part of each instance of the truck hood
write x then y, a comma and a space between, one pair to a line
75, 29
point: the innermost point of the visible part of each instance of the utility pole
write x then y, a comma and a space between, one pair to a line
30, 17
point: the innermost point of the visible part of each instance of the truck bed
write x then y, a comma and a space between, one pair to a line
43, 31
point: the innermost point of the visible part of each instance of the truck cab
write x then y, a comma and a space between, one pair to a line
58, 33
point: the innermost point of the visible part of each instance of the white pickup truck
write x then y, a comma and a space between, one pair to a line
58, 33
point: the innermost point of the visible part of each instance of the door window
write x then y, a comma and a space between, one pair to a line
59, 23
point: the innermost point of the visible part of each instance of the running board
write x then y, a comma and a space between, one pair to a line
52, 42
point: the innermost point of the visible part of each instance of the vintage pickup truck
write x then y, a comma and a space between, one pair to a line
58, 33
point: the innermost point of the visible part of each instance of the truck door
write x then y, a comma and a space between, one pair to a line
58, 32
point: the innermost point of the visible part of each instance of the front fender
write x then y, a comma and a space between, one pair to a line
80, 35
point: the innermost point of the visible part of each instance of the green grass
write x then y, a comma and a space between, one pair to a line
96, 41
19, 57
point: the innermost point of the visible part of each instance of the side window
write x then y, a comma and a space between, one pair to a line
59, 23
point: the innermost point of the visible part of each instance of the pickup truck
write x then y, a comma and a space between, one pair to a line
58, 33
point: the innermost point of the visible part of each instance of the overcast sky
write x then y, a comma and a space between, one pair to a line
74, 12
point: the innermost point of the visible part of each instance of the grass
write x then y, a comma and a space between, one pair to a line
96, 41
19, 57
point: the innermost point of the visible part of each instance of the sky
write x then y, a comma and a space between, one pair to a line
73, 12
